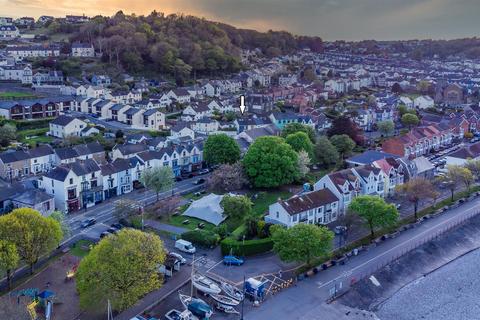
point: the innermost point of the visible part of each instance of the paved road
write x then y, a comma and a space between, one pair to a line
295, 302
103, 212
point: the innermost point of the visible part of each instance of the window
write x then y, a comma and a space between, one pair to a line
278, 214
52, 183
71, 180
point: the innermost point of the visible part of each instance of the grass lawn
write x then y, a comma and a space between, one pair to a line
34, 136
15, 95
264, 199
177, 221
79, 249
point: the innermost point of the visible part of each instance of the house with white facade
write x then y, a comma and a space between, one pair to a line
344, 184
9, 32
65, 126
117, 178
82, 50
423, 102
317, 207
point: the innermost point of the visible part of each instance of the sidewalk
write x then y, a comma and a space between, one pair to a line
321, 286
174, 283
165, 227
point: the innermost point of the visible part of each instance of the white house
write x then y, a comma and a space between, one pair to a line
9, 32
345, 184
205, 126
317, 207
406, 101
117, 178
423, 102
17, 72
65, 126
82, 50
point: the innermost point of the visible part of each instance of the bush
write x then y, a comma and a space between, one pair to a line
222, 231
247, 247
136, 222
201, 237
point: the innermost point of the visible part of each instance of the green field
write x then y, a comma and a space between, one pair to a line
15, 95
81, 248
177, 221
34, 136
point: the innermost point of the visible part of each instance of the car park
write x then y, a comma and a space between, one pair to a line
232, 261
88, 222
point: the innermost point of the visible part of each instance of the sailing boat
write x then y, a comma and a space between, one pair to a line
205, 284
232, 291
225, 300
196, 306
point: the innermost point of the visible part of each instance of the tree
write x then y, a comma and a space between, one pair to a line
326, 153
125, 208
386, 127
303, 163
344, 125
402, 109
33, 234
374, 211
165, 207
415, 190
220, 149
302, 242
423, 86
236, 207
8, 133
410, 120
270, 162
300, 141
396, 88
455, 176
8, 260
343, 144
121, 268
59, 216
349, 219
158, 179
228, 177
299, 127
474, 167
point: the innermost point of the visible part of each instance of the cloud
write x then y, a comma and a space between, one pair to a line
330, 19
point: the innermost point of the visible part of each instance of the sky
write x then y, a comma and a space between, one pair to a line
329, 19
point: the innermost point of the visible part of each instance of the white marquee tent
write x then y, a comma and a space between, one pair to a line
207, 208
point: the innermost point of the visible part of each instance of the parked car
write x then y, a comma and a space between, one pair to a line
124, 222
112, 230
185, 246
104, 234
203, 171
199, 181
117, 226
178, 256
178, 179
88, 222
232, 261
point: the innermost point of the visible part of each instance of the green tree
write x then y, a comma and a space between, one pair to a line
300, 141
270, 162
220, 149
121, 268
344, 144
415, 190
8, 133
455, 176
8, 260
33, 234
375, 212
410, 120
474, 167
386, 127
299, 127
158, 179
59, 216
302, 242
236, 207
326, 153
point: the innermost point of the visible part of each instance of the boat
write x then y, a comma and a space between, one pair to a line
177, 315
232, 291
225, 300
205, 284
226, 309
196, 306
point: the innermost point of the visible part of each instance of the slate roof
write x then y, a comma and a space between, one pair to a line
129, 148
370, 156
308, 201
62, 120
118, 165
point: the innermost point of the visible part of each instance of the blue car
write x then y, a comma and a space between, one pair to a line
232, 261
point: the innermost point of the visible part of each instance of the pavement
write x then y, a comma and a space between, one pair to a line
295, 302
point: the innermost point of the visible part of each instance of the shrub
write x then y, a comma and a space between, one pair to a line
201, 237
222, 231
136, 222
247, 247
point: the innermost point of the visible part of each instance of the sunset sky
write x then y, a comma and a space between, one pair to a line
329, 19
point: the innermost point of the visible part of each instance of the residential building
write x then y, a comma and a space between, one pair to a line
423, 102
82, 50
65, 126
317, 207
9, 32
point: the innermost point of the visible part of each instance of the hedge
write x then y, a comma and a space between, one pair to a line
201, 237
247, 247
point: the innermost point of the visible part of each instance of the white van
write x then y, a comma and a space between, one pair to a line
184, 246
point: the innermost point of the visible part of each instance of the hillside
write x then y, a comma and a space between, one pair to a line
182, 46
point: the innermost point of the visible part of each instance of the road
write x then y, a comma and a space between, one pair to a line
103, 212
295, 302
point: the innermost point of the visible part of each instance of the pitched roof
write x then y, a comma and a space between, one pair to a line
62, 120
370, 156
129, 148
308, 201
